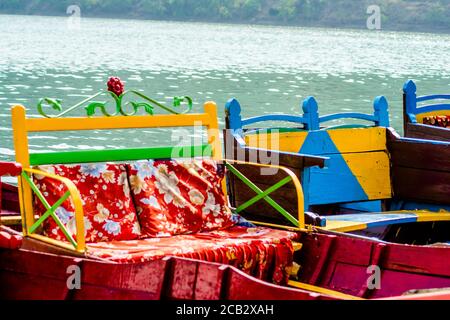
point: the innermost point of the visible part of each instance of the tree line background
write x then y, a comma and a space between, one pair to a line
396, 14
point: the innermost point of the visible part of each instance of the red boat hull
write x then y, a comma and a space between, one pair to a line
333, 262
29, 275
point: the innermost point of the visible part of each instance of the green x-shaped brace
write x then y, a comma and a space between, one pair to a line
263, 194
50, 210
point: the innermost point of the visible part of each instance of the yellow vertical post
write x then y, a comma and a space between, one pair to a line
20, 134
210, 108
213, 130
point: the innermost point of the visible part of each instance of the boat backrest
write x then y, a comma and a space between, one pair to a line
23, 125
358, 166
434, 105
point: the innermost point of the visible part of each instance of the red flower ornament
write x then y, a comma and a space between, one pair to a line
116, 85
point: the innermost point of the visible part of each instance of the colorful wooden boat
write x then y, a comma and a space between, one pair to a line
374, 182
431, 121
58, 261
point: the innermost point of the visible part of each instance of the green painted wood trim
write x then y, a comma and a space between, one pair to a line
119, 155
264, 194
268, 199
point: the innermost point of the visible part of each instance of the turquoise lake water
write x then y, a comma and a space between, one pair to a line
269, 69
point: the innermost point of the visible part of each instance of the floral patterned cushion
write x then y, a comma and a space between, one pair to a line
109, 213
438, 121
179, 196
261, 252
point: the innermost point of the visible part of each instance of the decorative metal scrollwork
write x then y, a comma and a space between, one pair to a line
121, 106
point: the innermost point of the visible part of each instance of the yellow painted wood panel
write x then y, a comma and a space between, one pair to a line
346, 140
286, 142
119, 122
426, 216
372, 170
344, 226
359, 139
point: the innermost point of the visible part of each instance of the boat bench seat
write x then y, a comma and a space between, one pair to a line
146, 210
261, 252
127, 205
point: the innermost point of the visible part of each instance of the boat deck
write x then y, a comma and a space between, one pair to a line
362, 221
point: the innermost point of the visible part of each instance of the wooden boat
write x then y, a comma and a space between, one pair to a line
333, 267
430, 121
374, 183
58, 261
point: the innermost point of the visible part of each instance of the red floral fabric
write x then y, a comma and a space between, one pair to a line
109, 213
261, 252
179, 196
438, 121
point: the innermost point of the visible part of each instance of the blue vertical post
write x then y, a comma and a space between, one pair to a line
233, 115
311, 114
409, 104
381, 114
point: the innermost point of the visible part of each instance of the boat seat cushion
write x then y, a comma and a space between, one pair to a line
179, 196
438, 121
109, 211
264, 253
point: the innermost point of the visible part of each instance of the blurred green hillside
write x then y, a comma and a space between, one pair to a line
425, 15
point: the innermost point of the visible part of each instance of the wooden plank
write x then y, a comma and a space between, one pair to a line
346, 140
182, 283
269, 178
120, 122
32, 275
11, 220
356, 140
426, 260
397, 283
234, 151
122, 281
209, 282
372, 170
243, 287
421, 185
422, 131
343, 266
420, 169
420, 155
314, 256
281, 141
119, 155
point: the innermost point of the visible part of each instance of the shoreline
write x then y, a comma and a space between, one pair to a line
413, 28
